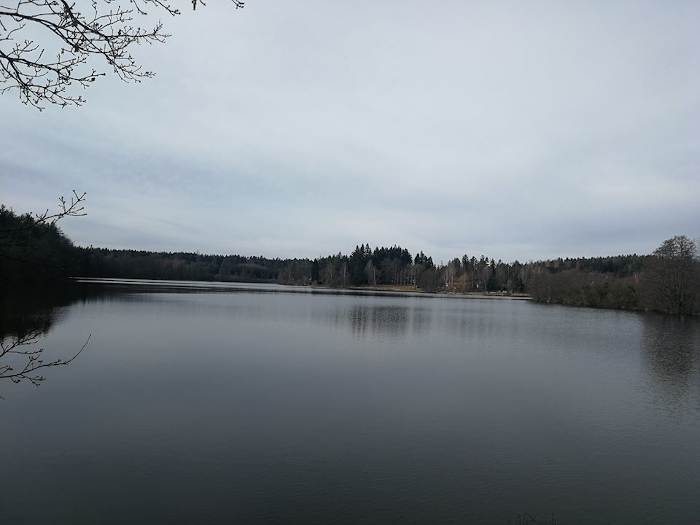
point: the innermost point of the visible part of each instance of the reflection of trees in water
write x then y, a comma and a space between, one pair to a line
671, 346
420, 320
387, 320
24, 318
359, 319
24, 315
470, 324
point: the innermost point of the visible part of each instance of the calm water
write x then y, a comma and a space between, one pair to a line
255, 405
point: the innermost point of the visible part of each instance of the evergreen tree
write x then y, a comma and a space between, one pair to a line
315, 271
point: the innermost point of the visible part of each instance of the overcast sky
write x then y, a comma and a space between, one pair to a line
517, 130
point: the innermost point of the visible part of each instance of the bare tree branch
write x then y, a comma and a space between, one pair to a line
23, 346
105, 29
72, 208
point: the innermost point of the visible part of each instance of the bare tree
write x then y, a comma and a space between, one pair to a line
675, 273
45, 45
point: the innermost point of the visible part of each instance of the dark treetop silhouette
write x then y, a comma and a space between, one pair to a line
32, 247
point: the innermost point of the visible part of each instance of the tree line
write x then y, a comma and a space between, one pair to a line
33, 249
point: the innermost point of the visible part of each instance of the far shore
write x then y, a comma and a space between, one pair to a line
413, 289
391, 289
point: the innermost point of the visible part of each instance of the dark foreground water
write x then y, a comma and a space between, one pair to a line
262, 406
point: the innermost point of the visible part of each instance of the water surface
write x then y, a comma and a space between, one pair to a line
249, 404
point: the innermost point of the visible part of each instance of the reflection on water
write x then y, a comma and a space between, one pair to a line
382, 320
233, 404
24, 319
671, 353
37, 310
28, 313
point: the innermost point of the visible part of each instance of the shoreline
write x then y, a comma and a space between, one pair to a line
294, 288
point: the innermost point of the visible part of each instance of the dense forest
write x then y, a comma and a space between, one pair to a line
33, 249
667, 280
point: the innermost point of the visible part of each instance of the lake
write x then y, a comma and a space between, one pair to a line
209, 404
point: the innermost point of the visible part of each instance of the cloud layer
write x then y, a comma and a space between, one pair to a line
516, 130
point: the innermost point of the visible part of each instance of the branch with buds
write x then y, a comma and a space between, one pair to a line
105, 29
31, 369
